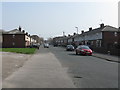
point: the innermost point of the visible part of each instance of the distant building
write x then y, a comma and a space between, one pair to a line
37, 38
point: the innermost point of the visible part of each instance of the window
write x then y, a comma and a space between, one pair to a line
115, 34
91, 42
13, 43
100, 43
115, 42
13, 36
97, 43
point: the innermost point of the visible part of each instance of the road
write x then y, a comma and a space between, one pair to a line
86, 71
55, 67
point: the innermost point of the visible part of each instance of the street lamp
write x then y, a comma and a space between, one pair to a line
77, 29
63, 33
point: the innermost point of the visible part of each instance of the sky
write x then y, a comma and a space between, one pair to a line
119, 14
50, 19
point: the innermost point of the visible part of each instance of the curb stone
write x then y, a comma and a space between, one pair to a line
106, 59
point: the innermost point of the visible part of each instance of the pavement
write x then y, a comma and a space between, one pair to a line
0, 70
107, 57
41, 71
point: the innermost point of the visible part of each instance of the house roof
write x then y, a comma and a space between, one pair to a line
105, 28
109, 28
15, 31
34, 35
97, 30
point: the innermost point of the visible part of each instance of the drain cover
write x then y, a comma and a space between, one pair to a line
77, 77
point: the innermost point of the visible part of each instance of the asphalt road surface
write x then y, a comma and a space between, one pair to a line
86, 71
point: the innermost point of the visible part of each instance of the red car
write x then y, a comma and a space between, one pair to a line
84, 50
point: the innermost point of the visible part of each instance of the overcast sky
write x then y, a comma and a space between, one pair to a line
49, 19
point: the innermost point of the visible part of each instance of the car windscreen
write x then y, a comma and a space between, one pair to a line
85, 47
69, 46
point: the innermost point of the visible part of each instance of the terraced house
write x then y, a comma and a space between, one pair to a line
16, 38
103, 39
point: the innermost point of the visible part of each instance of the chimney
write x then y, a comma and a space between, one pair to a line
23, 31
82, 31
102, 25
90, 29
26, 33
20, 28
74, 33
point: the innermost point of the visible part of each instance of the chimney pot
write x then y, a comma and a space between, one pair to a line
27, 33
68, 34
23, 31
20, 28
90, 28
82, 31
74, 33
102, 25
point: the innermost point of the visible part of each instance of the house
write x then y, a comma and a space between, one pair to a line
32, 41
104, 36
36, 39
16, 38
58, 40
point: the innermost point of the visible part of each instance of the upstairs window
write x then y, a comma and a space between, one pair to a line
13, 36
115, 34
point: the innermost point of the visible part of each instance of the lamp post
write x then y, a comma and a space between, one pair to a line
77, 29
63, 33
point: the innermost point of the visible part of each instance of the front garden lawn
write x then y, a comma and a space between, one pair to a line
20, 50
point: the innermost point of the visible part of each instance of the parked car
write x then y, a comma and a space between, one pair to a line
84, 50
46, 45
70, 48
55, 45
34, 46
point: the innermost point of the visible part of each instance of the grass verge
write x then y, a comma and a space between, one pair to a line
19, 50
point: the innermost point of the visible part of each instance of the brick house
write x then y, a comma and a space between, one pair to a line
102, 39
16, 38
99, 37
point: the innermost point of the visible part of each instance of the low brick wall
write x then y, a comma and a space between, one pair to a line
111, 51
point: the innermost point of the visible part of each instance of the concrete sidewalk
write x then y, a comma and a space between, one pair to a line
107, 57
41, 71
